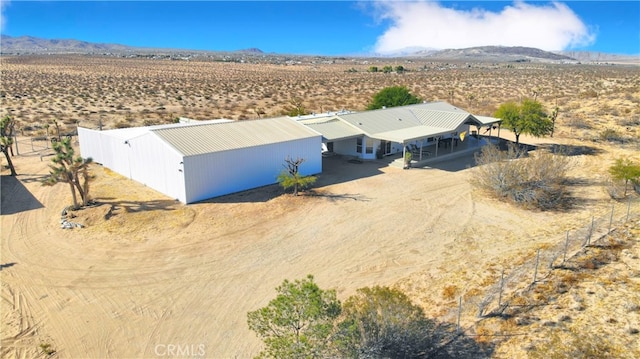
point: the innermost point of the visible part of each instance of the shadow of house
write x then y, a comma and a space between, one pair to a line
15, 197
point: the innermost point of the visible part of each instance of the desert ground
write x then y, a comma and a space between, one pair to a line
147, 272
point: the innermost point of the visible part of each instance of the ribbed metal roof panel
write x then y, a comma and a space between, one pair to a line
435, 115
200, 139
486, 120
333, 129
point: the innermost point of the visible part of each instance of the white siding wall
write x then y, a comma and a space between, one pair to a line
103, 148
145, 159
219, 173
157, 165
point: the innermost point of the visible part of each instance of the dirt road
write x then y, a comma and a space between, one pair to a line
149, 275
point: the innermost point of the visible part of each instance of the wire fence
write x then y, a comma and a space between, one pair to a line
521, 278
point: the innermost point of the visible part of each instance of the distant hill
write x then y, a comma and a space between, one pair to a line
30, 44
496, 53
35, 45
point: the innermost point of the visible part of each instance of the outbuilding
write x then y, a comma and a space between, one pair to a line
192, 162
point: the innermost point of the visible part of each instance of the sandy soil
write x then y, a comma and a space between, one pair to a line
148, 272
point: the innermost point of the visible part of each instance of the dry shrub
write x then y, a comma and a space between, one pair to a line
536, 181
449, 292
575, 344
611, 135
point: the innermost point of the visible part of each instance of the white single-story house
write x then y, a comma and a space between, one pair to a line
422, 127
194, 161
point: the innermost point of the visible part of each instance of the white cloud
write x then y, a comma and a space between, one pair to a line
427, 24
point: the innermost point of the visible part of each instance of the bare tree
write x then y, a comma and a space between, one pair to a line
290, 176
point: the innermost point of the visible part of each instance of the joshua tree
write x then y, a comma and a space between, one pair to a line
7, 125
71, 169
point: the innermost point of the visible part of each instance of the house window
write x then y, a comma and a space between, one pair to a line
369, 148
359, 145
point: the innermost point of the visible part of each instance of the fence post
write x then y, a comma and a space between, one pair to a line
611, 218
590, 231
535, 274
501, 287
15, 140
566, 246
459, 314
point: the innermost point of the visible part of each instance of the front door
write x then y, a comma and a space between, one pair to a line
386, 147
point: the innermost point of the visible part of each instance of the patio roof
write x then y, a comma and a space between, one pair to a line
413, 133
397, 124
486, 120
332, 129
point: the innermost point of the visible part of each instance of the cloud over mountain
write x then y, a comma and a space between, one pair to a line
428, 24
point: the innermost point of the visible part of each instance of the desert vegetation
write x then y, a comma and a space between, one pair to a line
147, 270
111, 92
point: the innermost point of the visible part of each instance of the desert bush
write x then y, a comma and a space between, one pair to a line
611, 135
575, 344
536, 181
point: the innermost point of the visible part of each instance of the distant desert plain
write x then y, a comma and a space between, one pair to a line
147, 273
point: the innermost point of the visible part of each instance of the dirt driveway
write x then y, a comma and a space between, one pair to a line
148, 272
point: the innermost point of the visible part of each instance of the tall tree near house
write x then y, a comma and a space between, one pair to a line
290, 176
528, 117
71, 169
7, 126
392, 96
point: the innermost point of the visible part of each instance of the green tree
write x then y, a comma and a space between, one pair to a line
528, 117
392, 96
400, 69
7, 126
71, 169
290, 176
382, 322
373, 69
625, 170
298, 322
387, 69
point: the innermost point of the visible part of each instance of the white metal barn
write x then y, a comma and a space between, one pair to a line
197, 161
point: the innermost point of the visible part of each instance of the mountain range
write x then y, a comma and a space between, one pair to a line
34, 45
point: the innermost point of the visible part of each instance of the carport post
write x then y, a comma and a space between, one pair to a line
437, 145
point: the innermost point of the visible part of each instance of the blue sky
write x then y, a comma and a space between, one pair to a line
333, 27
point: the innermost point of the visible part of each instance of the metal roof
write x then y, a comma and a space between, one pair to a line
332, 129
486, 120
199, 139
406, 123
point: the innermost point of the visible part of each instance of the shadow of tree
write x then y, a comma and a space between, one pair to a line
335, 197
571, 150
7, 265
135, 206
456, 344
